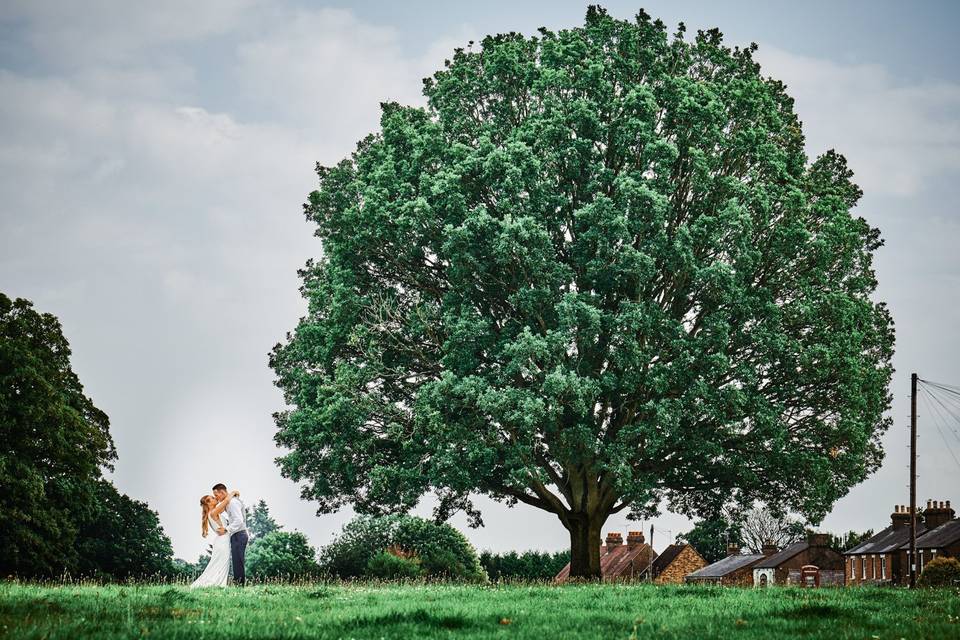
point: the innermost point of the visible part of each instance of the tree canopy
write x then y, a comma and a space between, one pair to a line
53, 444
259, 520
122, 538
596, 273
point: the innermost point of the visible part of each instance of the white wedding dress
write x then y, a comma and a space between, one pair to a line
215, 575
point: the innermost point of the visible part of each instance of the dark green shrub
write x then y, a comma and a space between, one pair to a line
387, 566
529, 565
282, 554
940, 572
443, 551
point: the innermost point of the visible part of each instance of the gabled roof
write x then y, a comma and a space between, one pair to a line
619, 561
664, 559
728, 565
775, 560
886, 541
942, 536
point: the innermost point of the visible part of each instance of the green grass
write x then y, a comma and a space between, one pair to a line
445, 611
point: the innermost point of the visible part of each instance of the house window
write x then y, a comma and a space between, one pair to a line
863, 567
883, 567
920, 568
873, 567
853, 568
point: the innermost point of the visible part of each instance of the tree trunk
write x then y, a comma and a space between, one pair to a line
585, 548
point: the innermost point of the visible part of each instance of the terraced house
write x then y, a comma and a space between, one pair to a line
877, 560
942, 536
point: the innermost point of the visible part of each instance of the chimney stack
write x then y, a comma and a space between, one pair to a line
733, 549
768, 548
614, 539
819, 539
937, 513
634, 538
900, 517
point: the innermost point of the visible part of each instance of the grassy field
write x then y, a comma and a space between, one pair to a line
444, 611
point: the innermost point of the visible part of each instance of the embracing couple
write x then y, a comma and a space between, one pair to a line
223, 512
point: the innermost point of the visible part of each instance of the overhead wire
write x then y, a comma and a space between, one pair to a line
939, 417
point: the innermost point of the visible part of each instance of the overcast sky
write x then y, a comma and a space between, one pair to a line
154, 157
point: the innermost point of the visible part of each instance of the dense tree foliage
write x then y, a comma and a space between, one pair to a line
711, 537
259, 520
528, 565
441, 550
596, 273
53, 444
282, 554
122, 538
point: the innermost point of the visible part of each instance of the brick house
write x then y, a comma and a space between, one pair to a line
734, 570
942, 536
674, 564
784, 567
878, 560
619, 561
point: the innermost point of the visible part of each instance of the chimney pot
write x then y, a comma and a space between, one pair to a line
614, 539
733, 549
634, 538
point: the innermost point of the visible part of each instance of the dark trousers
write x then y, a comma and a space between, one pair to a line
238, 553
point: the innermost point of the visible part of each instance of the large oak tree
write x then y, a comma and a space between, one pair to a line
596, 273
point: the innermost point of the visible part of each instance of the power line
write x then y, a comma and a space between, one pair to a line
939, 416
955, 416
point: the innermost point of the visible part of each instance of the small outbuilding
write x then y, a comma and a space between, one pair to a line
734, 570
618, 561
813, 555
675, 563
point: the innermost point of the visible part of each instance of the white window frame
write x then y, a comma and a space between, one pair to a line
883, 567
863, 567
853, 567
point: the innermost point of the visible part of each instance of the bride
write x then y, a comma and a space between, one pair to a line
215, 575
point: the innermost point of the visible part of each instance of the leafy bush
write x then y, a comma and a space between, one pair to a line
388, 566
940, 572
285, 554
529, 565
443, 551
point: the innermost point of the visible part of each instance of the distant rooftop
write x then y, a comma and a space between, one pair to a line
726, 566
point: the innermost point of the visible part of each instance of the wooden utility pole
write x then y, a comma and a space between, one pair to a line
913, 480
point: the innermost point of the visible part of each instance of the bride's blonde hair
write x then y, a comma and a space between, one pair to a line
205, 521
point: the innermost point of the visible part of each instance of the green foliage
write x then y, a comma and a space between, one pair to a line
53, 444
468, 612
387, 566
940, 572
529, 565
443, 551
849, 540
259, 521
282, 554
122, 538
596, 272
711, 536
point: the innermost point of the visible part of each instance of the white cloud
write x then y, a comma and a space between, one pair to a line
78, 34
896, 134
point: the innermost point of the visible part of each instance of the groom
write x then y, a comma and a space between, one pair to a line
237, 530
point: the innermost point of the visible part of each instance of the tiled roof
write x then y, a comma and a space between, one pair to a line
775, 560
942, 536
886, 541
664, 559
619, 561
726, 566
